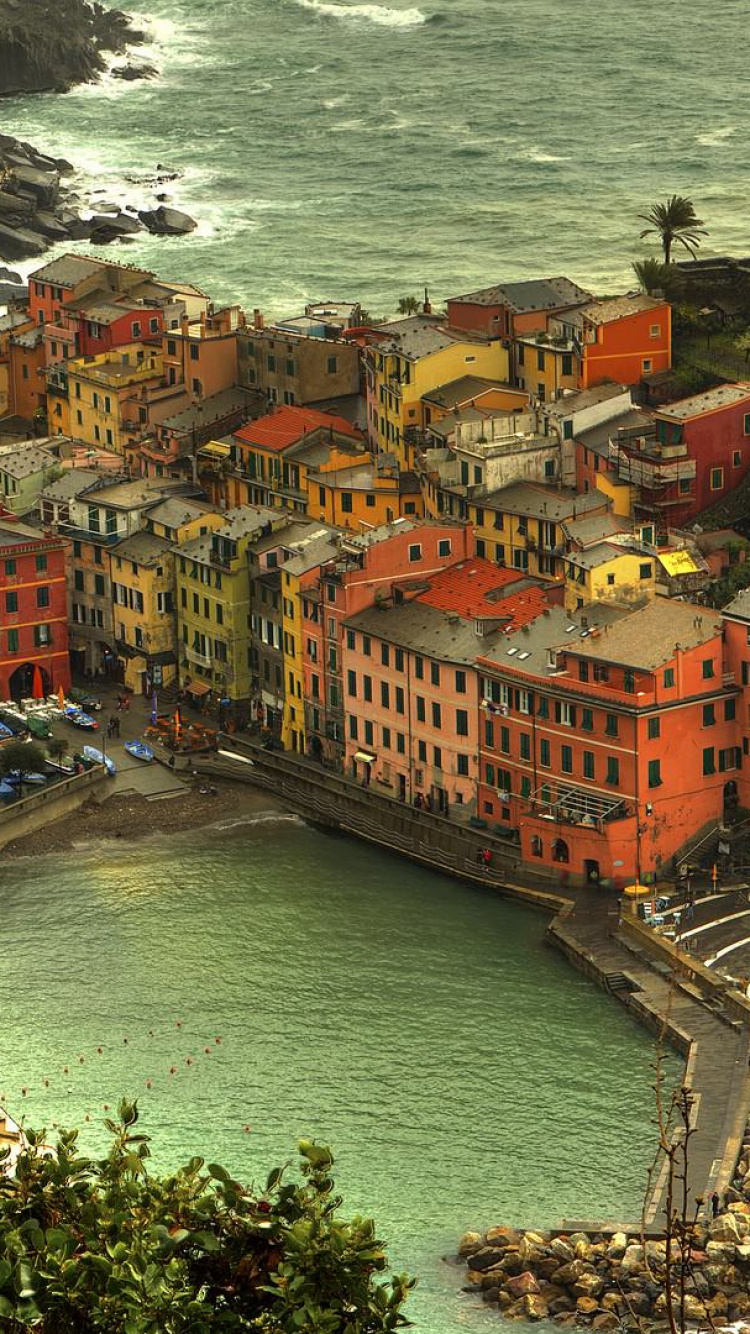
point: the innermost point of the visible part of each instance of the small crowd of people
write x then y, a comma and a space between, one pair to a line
423, 803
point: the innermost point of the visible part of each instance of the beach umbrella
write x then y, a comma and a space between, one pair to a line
637, 891
61, 697
37, 684
154, 710
177, 724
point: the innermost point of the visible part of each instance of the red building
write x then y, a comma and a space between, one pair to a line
621, 339
33, 612
509, 309
696, 454
609, 741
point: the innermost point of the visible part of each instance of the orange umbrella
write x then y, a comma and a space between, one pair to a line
177, 722
37, 684
61, 697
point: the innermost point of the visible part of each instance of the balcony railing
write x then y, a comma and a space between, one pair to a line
198, 659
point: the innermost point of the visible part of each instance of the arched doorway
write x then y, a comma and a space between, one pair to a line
560, 851
29, 681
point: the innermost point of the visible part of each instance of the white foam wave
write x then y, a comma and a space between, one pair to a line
264, 817
715, 137
535, 154
382, 15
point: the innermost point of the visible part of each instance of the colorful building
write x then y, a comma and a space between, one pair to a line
608, 739
620, 339
33, 612
694, 454
413, 357
212, 587
24, 472
270, 457
509, 310
145, 624
95, 399
291, 367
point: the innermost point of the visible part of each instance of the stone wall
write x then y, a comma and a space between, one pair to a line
41, 808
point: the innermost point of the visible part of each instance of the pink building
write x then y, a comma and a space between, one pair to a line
370, 568
412, 688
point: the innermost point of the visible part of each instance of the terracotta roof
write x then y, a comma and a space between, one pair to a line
478, 590
278, 430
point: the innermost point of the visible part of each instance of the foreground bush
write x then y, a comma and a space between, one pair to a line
105, 1245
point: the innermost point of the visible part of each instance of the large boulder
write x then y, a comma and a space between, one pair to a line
106, 227
486, 1258
725, 1228
501, 1236
469, 1243
49, 226
522, 1284
165, 221
19, 243
562, 1249
535, 1307
10, 276
632, 1260
134, 71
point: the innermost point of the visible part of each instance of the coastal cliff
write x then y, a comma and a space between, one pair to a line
49, 45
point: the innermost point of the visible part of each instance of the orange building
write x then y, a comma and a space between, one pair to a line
270, 458
621, 339
609, 739
27, 383
359, 495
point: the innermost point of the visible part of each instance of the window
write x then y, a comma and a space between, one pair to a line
708, 669
460, 683
12, 641
40, 563
544, 754
462, 765
601, 671
566, 759
422, 751
386, 738
400, 743
709, 715
436, 716
11, 602
668, 677
646, 366
646, 570
398, 659
611, 727
42, 636
366, 646
351, 683
565, 713
400, 699
462, 722
654, 728
437, 755
435, 673
353, 728
654, 773
444, 547
730, 710
99, 585
524, 742
419, 668
540, 359
385, 695
613, 771
709, 761
628, 680
78, 583
737, 458
420, 709
729, 759
489, 774
42, 597
415, 552
588, 764
542, 707
351, 639
367, 689
716, 482
587, 720
385, 655
505, 740
271, 362
583, 671
369, 733
346, 502
332, 365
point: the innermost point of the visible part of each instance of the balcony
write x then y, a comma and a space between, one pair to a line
197, 659
577, 805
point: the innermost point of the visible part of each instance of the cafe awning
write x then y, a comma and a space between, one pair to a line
364, 757
197, 688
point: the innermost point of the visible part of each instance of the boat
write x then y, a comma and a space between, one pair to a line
7, 791
139, 750
66, 770
5, 732
98, 757
20, 780
80, 719
39, 727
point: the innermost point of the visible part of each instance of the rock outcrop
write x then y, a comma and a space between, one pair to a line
39, 55
38, 209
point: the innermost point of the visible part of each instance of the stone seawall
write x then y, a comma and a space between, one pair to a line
41, 808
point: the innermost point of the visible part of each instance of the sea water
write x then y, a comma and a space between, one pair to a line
299, 984
330, 148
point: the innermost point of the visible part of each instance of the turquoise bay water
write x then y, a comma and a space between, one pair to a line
341, 149
463, 1073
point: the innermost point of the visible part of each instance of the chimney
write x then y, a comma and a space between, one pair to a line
184, 326
427, 307
257, 319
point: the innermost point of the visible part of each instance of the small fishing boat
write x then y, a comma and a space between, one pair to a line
7, 791
19, 780
139, 750
67, 770
80, 719
5, 732
98, 757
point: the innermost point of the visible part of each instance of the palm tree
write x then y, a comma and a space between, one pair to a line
655, 276
408, 305
675, 221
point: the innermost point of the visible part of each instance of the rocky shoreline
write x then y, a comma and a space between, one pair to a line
607, 1281
39, 209
38, 55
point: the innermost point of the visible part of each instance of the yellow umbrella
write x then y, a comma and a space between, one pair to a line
638, 891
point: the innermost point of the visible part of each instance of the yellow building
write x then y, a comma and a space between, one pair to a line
608, 573
358, 496
299, 573
178, 520
212, 586
96, 399
471, 391
142, 570
545, 366
415, 356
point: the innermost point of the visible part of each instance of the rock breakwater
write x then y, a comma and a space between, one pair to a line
618, 1280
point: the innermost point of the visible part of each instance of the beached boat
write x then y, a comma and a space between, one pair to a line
80, 719
7, 791
98, 757
139, 750
5, 732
